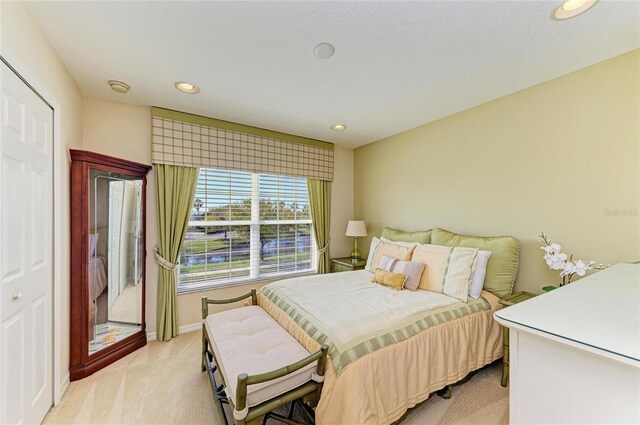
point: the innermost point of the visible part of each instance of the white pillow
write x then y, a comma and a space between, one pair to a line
93, 243
404, 244
372, 252
478, 274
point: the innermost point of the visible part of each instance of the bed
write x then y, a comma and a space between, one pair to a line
97, 269
389, 350
97, 277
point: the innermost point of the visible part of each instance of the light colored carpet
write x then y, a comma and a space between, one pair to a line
162, 384
127, 306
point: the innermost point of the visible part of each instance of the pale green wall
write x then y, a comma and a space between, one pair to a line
552, 158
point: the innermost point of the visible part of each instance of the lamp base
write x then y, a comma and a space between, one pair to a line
355, 254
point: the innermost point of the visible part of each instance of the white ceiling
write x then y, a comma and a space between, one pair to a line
397, 65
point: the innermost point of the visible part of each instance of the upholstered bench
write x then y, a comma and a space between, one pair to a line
262, 366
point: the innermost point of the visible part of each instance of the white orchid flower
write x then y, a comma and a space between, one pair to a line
569, 268
551, 260
557, 260
555, 265
582, 268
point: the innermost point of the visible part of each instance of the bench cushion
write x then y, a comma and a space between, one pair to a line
248, 340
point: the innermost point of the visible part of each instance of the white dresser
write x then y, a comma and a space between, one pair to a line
575, 352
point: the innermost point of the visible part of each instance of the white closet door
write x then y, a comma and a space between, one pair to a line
26, 226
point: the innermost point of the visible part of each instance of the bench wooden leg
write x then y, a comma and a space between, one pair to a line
219, 396
291, 407
203, 367
308, 412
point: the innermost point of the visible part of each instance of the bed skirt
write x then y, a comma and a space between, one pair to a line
381, 386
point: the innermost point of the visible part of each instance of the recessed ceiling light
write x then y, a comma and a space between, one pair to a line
119, 86
571, 8
338, 127
324, 50
187, 87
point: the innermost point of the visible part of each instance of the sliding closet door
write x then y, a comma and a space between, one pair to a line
26, 180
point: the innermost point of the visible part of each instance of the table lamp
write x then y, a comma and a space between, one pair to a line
356, 228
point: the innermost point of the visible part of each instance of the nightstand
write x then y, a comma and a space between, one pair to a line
346, 264
512, 299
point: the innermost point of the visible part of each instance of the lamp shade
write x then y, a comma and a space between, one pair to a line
356, 228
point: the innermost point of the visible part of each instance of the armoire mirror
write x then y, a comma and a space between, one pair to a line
108, 260
115, 257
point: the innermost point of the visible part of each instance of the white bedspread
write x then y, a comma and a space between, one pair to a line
97, 277
377, 368
349, 308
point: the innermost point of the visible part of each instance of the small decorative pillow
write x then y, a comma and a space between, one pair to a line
412, 269
448, 269
394, 280
479, 274
391, 250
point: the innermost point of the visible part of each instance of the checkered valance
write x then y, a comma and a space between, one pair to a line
190, 140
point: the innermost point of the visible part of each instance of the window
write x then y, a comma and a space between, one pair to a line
245, 226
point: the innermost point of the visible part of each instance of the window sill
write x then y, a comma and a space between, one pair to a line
211, 286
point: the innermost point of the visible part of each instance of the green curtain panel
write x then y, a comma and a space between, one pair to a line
320, 202
175, 188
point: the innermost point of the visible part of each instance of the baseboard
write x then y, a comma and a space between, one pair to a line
151, 336
64, 385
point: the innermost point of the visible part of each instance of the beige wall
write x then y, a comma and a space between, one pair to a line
124, 130
557, 157
341, 202
26, 48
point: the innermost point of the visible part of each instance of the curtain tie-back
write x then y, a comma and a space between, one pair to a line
164, 263
324, 248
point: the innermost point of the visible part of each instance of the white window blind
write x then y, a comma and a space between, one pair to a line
246, 226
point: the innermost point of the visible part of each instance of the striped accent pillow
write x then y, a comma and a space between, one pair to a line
413, 270
449, 269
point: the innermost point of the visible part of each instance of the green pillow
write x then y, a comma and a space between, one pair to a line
502, 268
423, 236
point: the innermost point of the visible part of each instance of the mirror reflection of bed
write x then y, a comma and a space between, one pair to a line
115, 253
